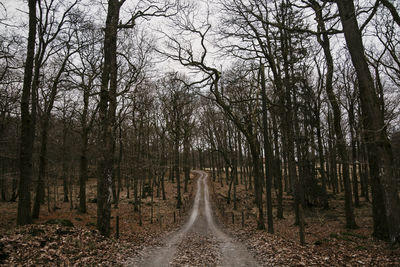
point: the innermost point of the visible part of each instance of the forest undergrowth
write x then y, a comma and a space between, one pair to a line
65, 237
68, 238
328, 242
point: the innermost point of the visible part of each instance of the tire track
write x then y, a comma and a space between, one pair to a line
200, 242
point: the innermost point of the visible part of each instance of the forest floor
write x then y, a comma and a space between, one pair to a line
202, 235
52, 241
329, 243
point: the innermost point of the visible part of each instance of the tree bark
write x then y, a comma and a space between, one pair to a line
107, 107
268, 155
277, 169
177, 173
257, 181
64, 163
83, 170
323, 40
186, 160
353, 155
26, 145
379, 148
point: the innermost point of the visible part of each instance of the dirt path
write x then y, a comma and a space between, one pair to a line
200, 242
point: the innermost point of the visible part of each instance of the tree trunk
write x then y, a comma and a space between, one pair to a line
353, 155
177, 174
40, 194
186, 162
119, 175
332, 156
268, 155
322, 164
379, 149
257, 181
277, 169
240, 158
107, 107
364, 168
27, 127
64, 164
39, 198
83, 171
323, 40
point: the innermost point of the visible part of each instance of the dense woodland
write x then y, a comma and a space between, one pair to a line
288, 98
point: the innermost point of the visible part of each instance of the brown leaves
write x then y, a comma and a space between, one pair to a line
197, 250
82, 245
59, 245
335, 250
328, 242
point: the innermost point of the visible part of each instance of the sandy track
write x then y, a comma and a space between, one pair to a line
200, 242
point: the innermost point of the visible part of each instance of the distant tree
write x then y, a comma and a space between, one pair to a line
178, 105
84, 70
48, 47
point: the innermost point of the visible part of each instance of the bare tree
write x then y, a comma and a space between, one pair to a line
177, 102
379, 149
323, 40
85, 70
108, 99
49, 96
27, 127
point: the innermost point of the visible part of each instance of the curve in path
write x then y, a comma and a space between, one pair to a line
201, 222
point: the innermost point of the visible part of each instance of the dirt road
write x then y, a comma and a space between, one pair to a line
200, 242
